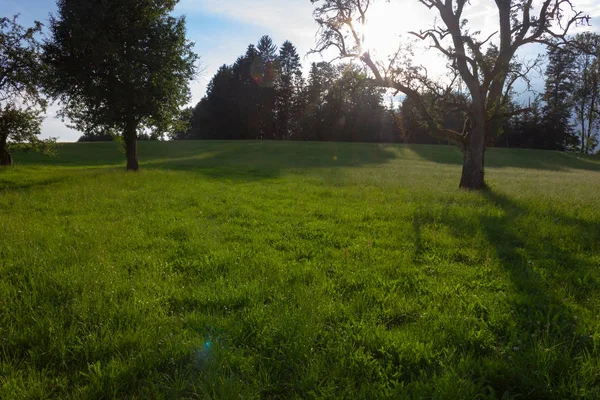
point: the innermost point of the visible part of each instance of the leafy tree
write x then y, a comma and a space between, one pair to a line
181, 133
528, 129
21, 102
353, 108
342, 105
120, 66
484, 68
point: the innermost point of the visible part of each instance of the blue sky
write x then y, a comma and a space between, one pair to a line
222, 29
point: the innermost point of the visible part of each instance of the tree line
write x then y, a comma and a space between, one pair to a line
263, 95
566, 116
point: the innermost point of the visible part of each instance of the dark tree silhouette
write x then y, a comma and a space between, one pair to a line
289, 85
586, 94
558, 95
120, 66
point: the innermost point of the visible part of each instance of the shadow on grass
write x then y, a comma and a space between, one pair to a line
7, 185
230, 160
546, 264
517, 158
263, 160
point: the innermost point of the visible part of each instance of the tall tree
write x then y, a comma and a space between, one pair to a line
289, 84
321, 77
21, 102
559, 87
120, 66
586, 96
482, 66
265, 70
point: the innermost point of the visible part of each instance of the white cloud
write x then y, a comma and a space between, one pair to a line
54, 127
281, 18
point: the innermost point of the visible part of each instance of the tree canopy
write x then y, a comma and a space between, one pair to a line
21, 102
120, 66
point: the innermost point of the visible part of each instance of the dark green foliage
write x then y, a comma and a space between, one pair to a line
586, 96
120, 66
290, 99
96, 138
352, 108
569, 117
262, 96
531, 128
21, 103
415, 130
321, 77
560, 83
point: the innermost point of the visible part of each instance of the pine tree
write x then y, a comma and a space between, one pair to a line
586, 94
289, 92
265, 69
560, 83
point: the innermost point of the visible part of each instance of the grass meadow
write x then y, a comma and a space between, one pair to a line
282, 270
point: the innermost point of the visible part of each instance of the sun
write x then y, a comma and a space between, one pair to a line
380, 34
387, 28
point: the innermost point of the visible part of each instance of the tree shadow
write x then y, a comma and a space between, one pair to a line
8, 185
222, 160
517, 158
550, 282
254, 160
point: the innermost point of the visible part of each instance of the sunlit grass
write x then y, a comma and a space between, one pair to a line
298, 270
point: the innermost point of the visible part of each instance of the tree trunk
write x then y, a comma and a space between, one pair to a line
130, 137
473, 149
5, 157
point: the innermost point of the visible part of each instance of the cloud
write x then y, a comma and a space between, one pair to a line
54, 127
278, 17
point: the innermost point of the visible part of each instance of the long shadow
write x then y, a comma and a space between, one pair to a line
7, 185
256, 160
543, 272
546, 270
517, 158
231, 160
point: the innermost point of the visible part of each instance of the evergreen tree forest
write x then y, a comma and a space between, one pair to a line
265, 94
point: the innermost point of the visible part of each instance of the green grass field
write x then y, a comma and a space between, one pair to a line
280, 270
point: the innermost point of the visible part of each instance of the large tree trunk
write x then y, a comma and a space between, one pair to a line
130, 137
473, 149
5, 157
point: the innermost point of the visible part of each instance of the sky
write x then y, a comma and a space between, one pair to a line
222, 30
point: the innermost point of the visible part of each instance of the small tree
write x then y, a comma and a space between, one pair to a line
120, 66
21, 103
483, 65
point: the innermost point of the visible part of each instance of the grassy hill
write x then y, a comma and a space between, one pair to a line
298, 270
